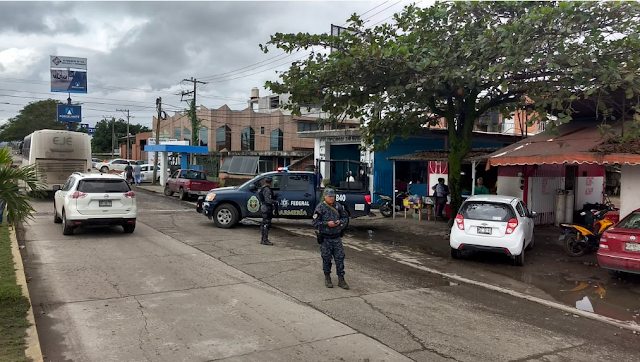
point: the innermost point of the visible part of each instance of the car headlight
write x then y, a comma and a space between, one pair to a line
210, 197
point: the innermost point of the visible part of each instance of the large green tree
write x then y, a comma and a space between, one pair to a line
106, 129
455, 61
34, 116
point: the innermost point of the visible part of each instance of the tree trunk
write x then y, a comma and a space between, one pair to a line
455, 167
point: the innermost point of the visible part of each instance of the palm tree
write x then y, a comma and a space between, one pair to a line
12, 180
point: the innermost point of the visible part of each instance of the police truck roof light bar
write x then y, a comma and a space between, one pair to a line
283, 169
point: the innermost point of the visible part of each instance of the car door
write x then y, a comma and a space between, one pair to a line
530, 221
523, 218
60, 195
253, 201
173, 179
144, 171
297, 197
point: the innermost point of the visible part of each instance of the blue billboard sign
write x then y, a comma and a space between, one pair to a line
68, 113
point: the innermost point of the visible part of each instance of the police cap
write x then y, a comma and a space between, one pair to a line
268, 179
330, 192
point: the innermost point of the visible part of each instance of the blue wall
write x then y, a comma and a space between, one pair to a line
383, 168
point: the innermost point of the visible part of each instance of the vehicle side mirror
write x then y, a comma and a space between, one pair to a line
253, 188
533, 214
56, 188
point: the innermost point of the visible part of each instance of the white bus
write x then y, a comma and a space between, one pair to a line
57, 154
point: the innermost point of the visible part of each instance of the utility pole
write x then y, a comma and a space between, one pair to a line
128, 146
113, 135
195, 124
155, 157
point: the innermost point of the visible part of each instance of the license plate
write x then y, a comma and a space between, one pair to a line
482, 230
104, 203
631, 246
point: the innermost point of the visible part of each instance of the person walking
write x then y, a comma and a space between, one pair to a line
480, 188
137, 174
441, 191
128, 173
330, 218
268, 202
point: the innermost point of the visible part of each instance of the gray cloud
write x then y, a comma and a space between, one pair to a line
169, 41
39, 18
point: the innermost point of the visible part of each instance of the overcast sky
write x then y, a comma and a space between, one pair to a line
137, 51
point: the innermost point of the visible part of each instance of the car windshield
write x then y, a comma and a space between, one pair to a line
487, 211
632, 221
94, 186
194, 175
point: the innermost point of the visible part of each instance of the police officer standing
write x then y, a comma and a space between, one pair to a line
330, 218
268, 203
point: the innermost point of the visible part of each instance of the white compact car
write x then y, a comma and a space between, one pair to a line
493, 223
94, 199
117, 164
146, 173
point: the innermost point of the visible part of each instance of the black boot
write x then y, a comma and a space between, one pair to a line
266, 242
327, 281
342, 284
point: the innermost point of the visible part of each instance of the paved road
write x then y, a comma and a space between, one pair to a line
179, 289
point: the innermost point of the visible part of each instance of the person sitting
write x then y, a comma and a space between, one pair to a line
350, 177
480, 188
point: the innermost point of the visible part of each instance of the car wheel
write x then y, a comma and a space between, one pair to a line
56, 218
128, 228
167, 191
225, 216
104, 169
533, 239
455, 253
183, 194
519, 259
66, 228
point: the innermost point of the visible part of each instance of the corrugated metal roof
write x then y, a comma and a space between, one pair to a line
476, 154
574, 143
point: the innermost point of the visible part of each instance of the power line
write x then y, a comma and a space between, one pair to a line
251, 67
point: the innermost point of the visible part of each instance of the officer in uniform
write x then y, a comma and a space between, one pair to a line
268, 204
330, 218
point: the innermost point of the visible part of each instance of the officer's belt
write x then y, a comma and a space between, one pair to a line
330, 236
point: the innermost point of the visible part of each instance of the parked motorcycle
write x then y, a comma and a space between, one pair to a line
386, 203
578, 239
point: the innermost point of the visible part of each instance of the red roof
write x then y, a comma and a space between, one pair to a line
574, 144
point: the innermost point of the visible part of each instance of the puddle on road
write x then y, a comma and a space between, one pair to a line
577, 283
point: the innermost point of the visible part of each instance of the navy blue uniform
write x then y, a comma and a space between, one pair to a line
332, 237
269, 202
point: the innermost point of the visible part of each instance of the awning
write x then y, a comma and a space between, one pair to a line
575, 143
476, 154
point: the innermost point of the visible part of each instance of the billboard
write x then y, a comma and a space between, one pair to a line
68, 113
68, 74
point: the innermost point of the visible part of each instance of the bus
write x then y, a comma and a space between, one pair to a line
57, 155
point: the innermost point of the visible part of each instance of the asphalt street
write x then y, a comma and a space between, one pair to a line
180, 289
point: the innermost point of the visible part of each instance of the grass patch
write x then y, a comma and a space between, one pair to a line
13, 306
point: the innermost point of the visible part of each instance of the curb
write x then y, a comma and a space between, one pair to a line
33, 350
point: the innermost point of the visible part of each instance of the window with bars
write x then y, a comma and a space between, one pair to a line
248, 138
223, 138
276, 140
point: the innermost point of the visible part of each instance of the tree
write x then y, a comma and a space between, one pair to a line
101, 141
195, 127
34, 116
18, 206
455, 61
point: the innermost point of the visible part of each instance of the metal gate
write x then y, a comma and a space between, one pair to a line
543, 185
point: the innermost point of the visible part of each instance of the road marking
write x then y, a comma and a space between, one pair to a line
632, 326
165, 210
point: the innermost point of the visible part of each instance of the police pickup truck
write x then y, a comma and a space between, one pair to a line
297, 195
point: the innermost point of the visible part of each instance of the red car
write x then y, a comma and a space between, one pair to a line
619, 249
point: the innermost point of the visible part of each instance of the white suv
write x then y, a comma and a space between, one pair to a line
493, 223
94, 199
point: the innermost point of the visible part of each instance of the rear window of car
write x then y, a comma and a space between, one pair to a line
632, 221
103, 186
487, 211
